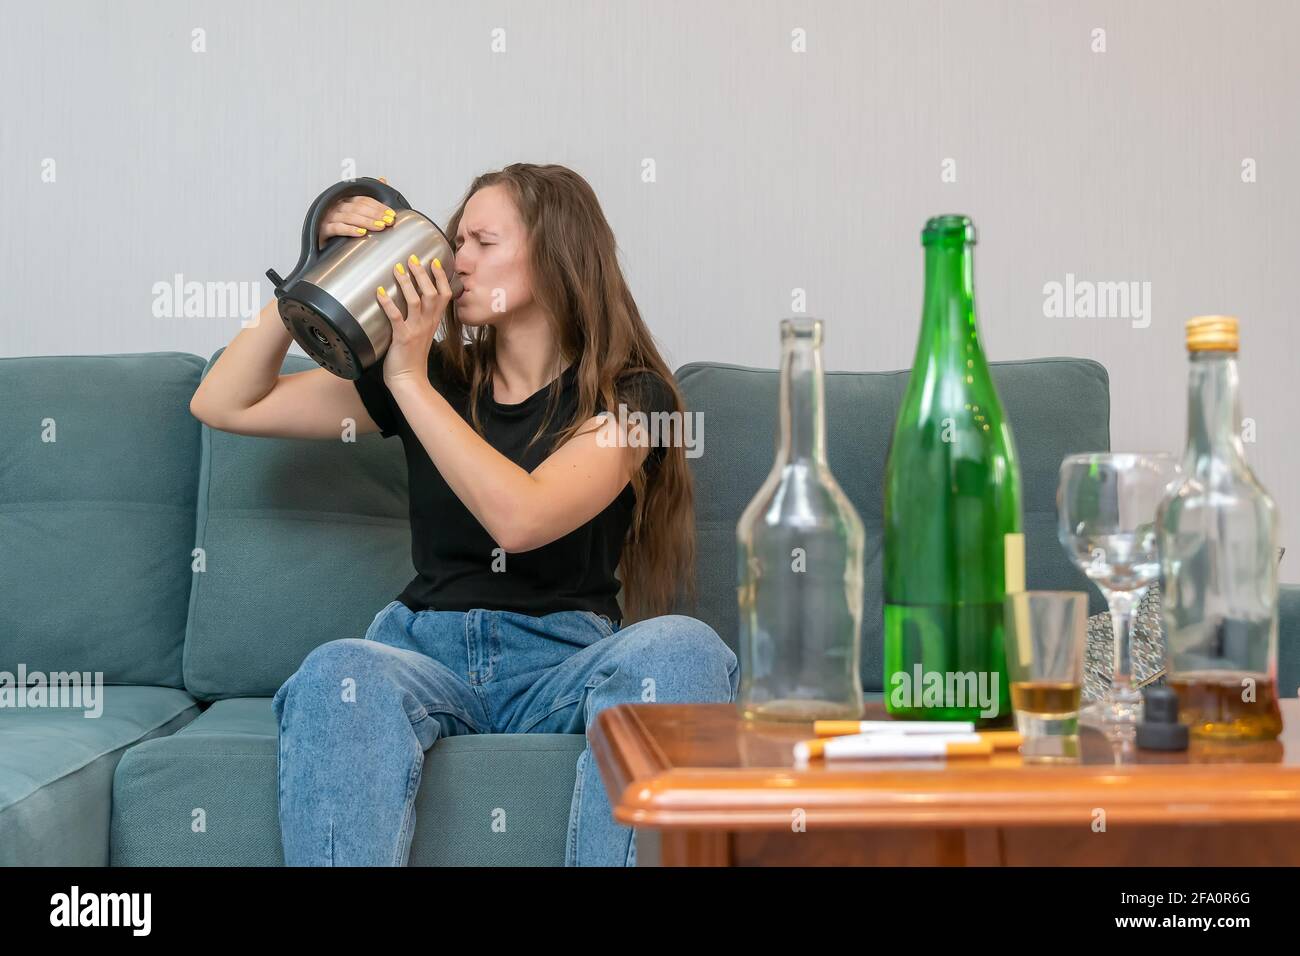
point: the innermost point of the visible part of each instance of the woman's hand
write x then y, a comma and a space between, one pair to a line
354, 216
407, 358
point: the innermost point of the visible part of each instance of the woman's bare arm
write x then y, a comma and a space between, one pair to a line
524, 510
245, 393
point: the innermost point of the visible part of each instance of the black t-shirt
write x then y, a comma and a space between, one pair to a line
455, 557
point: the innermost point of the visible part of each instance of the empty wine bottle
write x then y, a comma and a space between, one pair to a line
952, 494
799, 568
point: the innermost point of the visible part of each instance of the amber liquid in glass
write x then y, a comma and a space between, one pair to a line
1223, 705
1045, 698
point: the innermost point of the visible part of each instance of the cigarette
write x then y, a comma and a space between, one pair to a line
869, 745
836, 728
1003, 739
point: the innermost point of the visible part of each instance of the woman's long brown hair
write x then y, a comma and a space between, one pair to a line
577, 280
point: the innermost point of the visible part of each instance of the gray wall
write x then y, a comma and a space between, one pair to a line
776, 170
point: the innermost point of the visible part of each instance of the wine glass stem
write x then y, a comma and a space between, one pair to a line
1122, 607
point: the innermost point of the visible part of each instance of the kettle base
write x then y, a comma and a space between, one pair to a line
336, 347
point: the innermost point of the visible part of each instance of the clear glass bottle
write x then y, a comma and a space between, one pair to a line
1218, 557
799, 575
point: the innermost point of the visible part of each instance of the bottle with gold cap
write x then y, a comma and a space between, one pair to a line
1218, 547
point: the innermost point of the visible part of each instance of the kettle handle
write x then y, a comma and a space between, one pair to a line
362, 186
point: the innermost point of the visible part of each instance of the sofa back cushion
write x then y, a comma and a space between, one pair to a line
1056, 406
303, 542
98, 470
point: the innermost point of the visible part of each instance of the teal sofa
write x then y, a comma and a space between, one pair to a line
195, 569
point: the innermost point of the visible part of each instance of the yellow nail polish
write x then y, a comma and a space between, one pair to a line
437, 263
389, 213
414, 260
379, 224
360, 231
401, 270
389, 217
381, 291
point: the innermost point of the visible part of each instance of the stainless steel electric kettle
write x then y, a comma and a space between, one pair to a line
328, 301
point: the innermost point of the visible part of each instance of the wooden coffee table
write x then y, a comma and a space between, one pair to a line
704, 788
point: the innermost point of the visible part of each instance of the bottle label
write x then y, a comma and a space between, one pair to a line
1014, 546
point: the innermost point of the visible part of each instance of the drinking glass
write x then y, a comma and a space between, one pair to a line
1106, 506
1044, 636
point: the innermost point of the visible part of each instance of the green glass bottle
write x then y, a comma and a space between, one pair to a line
952, 495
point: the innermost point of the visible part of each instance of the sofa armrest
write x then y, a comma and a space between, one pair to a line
1288, 639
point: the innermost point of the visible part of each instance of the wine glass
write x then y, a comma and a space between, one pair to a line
1106, 505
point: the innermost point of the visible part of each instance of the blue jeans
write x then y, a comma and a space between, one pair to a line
357, 716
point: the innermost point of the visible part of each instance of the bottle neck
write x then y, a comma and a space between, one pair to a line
803, 414
948, 311
1213, 410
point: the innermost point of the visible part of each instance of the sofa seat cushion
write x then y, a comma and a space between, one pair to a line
56, 771
208, 796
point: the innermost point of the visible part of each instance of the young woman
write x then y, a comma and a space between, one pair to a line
528, 510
